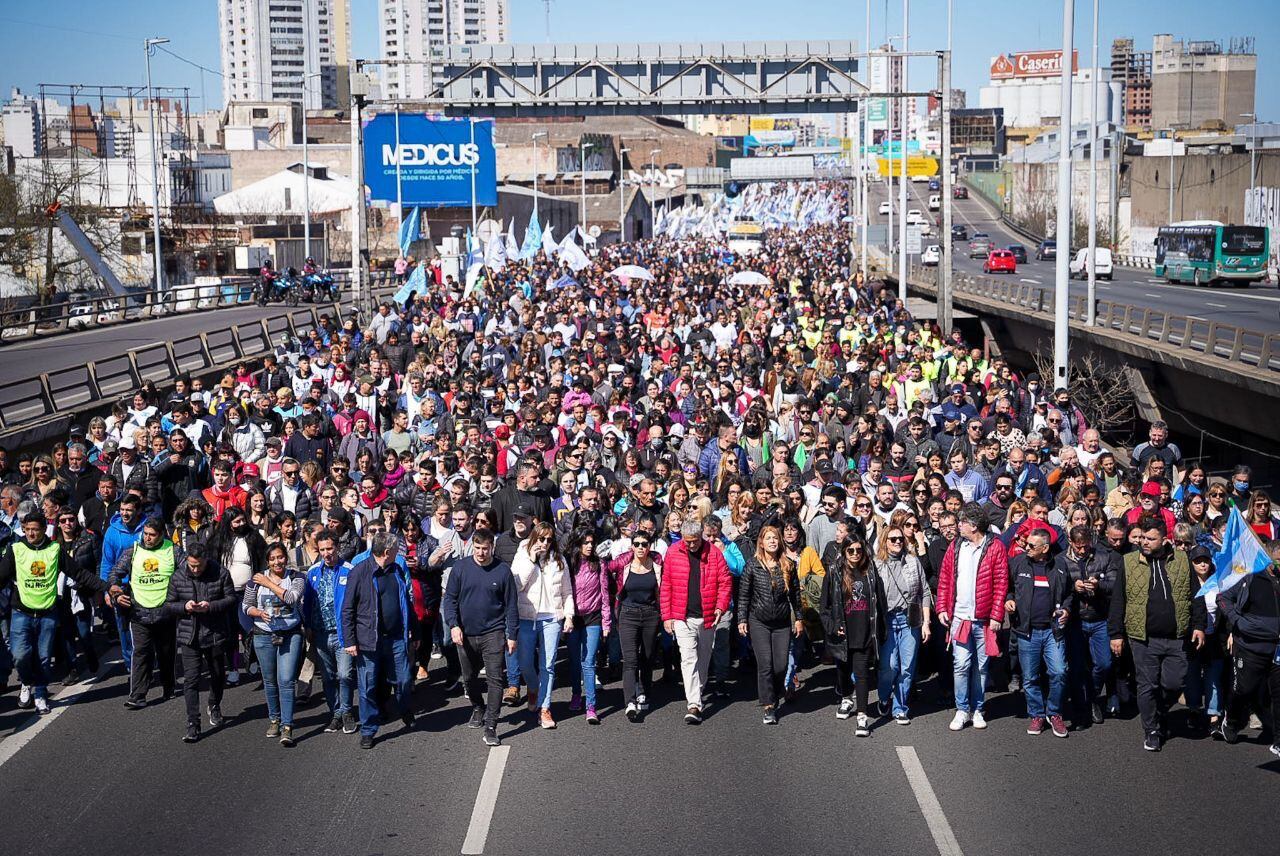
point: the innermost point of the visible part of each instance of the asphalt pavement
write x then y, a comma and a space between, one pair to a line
1253, 306
97, 779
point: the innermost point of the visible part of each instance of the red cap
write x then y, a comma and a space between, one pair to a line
250, 470
1150, 489
502, 432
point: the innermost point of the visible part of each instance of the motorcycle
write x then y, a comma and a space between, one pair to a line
283, 287
320, 287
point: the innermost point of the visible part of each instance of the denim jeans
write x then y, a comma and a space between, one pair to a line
537, 643
391, 664
1042, 646
898, 659
970, 676
583, 644
31, 644
279, 665
515, 674
126, 638
1089, 662
336, 663
1204, 683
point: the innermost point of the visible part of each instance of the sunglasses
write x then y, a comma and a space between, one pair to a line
895, 540
640, 543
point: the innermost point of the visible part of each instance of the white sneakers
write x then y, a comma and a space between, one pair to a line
979, 722
42, 705
960, 720
845, 710
864, 726
642, 701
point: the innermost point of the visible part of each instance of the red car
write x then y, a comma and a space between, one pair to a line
959, 192
1000, 260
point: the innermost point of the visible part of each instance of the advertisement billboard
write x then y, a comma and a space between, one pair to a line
1031, 64
917, 166
430, 159
878, 108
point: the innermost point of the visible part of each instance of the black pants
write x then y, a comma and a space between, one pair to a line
1161, 669
638, 635
939, 658
771, 646
1252, 670
857, 663
153, 647
211, 657
486, 650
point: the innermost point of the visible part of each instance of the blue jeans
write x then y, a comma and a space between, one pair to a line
970, 676
389, 663
31, 643
1204, 683
583, 644
514, 676
1041, 646
898, 659
336, 663
279, 665
537, 643
126, 637
1089, 662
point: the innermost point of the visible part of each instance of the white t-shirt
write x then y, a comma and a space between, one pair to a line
967, 556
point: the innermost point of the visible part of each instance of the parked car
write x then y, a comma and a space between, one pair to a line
1019, 253
1102, 266
931, 256
935, 202
959, 192
1000, 261
959, 232
885, 207
1046, 250
979, 246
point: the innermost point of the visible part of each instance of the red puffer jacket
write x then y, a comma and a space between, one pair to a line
990, 587
716, 585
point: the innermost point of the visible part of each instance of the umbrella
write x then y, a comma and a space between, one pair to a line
632, 272
749, 277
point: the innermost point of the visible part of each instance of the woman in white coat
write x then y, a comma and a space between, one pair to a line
546, 612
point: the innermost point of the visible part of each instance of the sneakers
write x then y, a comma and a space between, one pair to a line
25, 701
1059, 727
884, 708
42, 706
435, 653
959, 721
845, 710
286, 737
477, 717
979, 721
366, 741
408, 719
215, 717
1228, 732
770, 715
902, 718
349, 723
1015, 684
1036, 725
592, 717
193, 733
719, 690
233, 677
273, 729
334, 726
1275, 749
642, 701
1096, 713
864, 726
1152, 742
693, 716
546, 721
490, 737
633, 711
575, 703
422, 673
134, 704
511, 696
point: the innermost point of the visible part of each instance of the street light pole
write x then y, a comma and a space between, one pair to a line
622, 193
945, 313
862, 152
536, 135
653, 173
583, 145
471, 120
902, 160
1063, 256
1253, 149
1092, 294
1172, 137
153, 115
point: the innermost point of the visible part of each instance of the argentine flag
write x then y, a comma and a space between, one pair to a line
1241, 554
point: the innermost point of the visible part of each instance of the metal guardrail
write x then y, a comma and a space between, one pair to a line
1213, 339
74, 315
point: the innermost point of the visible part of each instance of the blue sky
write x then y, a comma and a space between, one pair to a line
82, 41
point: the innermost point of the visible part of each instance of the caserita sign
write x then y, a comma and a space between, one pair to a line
431, 161
1031, 64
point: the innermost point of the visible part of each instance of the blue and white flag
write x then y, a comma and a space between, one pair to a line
513, 246
572, 255
495, 253
1242, 554
563, 282
549, 245
417, 282
532, 239
410, 229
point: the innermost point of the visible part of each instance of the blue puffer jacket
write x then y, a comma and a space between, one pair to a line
312, 614
117, 539
358, 617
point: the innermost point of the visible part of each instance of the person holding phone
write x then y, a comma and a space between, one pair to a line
1039, 606
273, 600
1091, 570
201, 594
851, 618
770, 608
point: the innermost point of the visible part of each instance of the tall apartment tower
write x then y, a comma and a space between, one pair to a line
1198, 82
269, 45
1132, 69
411, 29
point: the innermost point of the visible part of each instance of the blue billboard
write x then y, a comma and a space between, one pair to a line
434, 158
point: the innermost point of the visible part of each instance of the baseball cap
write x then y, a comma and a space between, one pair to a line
636, 480
1198, 553
341, 515
127, 442
824, 467
523, 509
1150, 489
956, 387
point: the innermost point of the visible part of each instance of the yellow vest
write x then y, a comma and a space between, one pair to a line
37, 574
149, 574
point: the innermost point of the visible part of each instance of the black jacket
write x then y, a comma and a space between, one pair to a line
764, 599
1252, 609
123, 565
201, 629
1099, 563
831, 612
140, 479
85, 580
1022, 587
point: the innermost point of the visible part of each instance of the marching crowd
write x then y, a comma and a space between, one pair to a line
658, 478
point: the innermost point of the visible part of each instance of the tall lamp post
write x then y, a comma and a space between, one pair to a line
622, 199
582, 161
153, 115
536, 136
1092, 293
1253, 149
1061, 270
653, 176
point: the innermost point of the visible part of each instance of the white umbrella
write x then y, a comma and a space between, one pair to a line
632, 272
749, 277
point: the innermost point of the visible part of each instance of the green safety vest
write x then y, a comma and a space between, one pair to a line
37, 572
149, 574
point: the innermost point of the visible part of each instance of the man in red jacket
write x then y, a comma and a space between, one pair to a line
694, 595
224, 493
971, 593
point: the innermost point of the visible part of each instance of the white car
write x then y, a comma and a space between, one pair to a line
935, 202
931, 256
885, 207
1102, 266
915, 217
84, 316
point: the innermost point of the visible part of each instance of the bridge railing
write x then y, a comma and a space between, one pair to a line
1213, 339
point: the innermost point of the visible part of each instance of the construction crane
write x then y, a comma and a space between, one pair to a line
106, 277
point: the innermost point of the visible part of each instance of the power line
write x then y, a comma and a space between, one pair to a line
7, 20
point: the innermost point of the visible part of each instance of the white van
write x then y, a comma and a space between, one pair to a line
1101, 263
935, 202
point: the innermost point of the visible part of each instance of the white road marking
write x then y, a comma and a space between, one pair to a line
1215, 305
1036, 281
1158, 281
943, 837
1152, 296
35, 723
486, 800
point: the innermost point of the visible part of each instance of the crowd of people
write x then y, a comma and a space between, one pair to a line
652, 481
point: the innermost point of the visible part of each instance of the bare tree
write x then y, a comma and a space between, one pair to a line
1103, 392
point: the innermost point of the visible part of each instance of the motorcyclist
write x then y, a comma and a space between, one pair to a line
309, 267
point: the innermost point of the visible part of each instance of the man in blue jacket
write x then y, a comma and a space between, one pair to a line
322, 612
122, 533
377, 628
726, 442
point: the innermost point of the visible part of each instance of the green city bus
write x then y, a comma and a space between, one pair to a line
1204, 252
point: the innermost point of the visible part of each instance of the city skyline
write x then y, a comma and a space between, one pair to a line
99, 50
